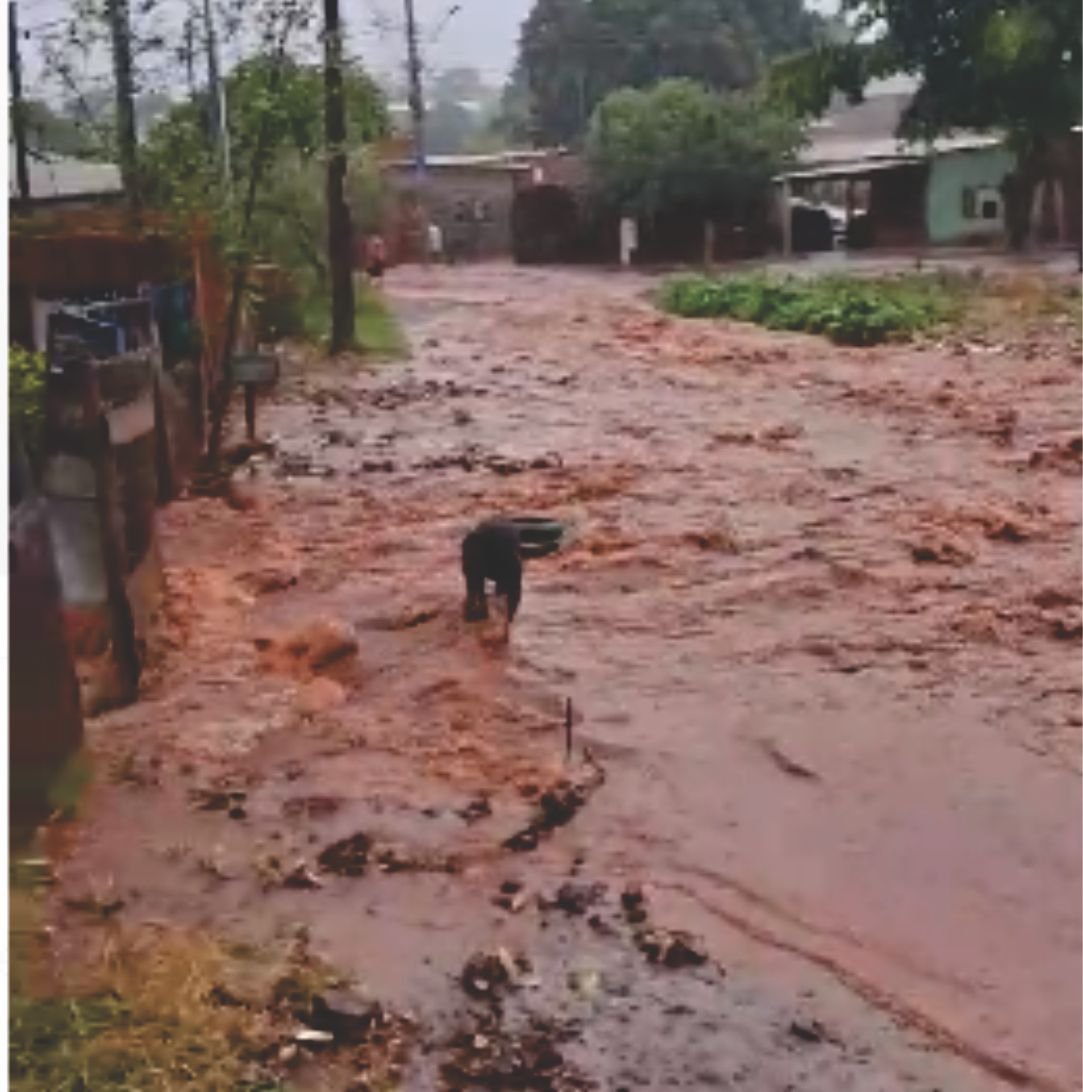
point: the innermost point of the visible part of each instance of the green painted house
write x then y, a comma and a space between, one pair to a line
963, 199
893, 193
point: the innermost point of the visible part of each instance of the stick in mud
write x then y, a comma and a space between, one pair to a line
567, 729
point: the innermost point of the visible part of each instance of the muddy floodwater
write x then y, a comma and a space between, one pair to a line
817, 612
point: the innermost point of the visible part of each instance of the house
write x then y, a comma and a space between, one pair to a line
470, 197
57, 180
900, 194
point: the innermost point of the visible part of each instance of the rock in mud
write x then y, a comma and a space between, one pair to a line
811, 1031
490, 1057
302, 878
633, 901
488, 974
512, 897
671, 949
557, 806
577, 898
348, 857
345, 1015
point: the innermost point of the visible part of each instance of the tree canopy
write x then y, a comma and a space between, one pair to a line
572, 53
680, 144
179, 160
1011, 65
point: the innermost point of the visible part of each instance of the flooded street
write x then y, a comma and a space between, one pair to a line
818, 617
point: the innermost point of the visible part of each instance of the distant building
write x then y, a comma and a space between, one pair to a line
61, 180
470, 197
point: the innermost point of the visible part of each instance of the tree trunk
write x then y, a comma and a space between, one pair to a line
122, 69
339, 243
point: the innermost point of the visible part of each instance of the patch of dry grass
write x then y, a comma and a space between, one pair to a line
148, 1013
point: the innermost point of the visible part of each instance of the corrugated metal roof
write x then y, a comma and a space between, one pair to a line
497, 161
825, 159
54, 176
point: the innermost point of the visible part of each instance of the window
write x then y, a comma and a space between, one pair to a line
970, 202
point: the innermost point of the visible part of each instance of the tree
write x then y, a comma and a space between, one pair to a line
50, 132
680, 145
572, 53
1007, 65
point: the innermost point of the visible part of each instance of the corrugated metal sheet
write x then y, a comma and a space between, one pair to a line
53, 177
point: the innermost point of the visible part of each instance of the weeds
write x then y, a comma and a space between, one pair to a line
848, 310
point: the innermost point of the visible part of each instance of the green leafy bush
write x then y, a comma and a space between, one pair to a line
848, 310
26, 397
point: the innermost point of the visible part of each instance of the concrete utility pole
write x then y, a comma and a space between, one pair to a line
417, 99
122, 70
339, 234
18, 118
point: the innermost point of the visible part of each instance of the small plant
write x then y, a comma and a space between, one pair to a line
848, 310
26, 397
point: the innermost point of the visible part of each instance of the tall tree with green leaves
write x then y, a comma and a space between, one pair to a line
680, 146
572, 53
1012, 66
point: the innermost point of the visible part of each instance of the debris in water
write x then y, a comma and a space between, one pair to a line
302, 878
634, 903
812, 1032
670, 949
576, 898
478, 808
348, 857
557, 807
787, 764
344, 1015
486, 974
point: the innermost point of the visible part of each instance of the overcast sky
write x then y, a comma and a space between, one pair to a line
481, 34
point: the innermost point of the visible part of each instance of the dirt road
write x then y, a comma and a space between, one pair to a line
820, 622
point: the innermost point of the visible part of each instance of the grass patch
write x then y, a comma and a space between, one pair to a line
376, 330
147, 1009
143, 1017
849, 310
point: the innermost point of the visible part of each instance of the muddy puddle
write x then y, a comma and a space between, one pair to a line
819, 625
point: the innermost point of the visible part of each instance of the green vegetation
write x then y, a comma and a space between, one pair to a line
376, 332
988, 65
147, 1011
573, 53
681, 146
26, 397
848, 310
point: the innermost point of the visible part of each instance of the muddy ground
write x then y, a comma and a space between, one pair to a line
819, 620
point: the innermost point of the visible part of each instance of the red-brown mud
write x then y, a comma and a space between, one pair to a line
819, 617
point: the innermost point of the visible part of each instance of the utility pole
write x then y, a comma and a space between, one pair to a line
18, 117
122, 71
339, 242
216, 91
189, 55
417, 99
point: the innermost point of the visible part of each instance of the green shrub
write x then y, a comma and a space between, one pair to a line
848, 310
26, 397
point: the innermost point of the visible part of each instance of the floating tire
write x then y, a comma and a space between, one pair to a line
538, 536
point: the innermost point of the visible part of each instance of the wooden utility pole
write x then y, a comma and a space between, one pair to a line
120, 28
18, 117
216, 92
417, 98
339, 242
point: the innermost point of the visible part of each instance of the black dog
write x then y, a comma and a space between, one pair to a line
492, 552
